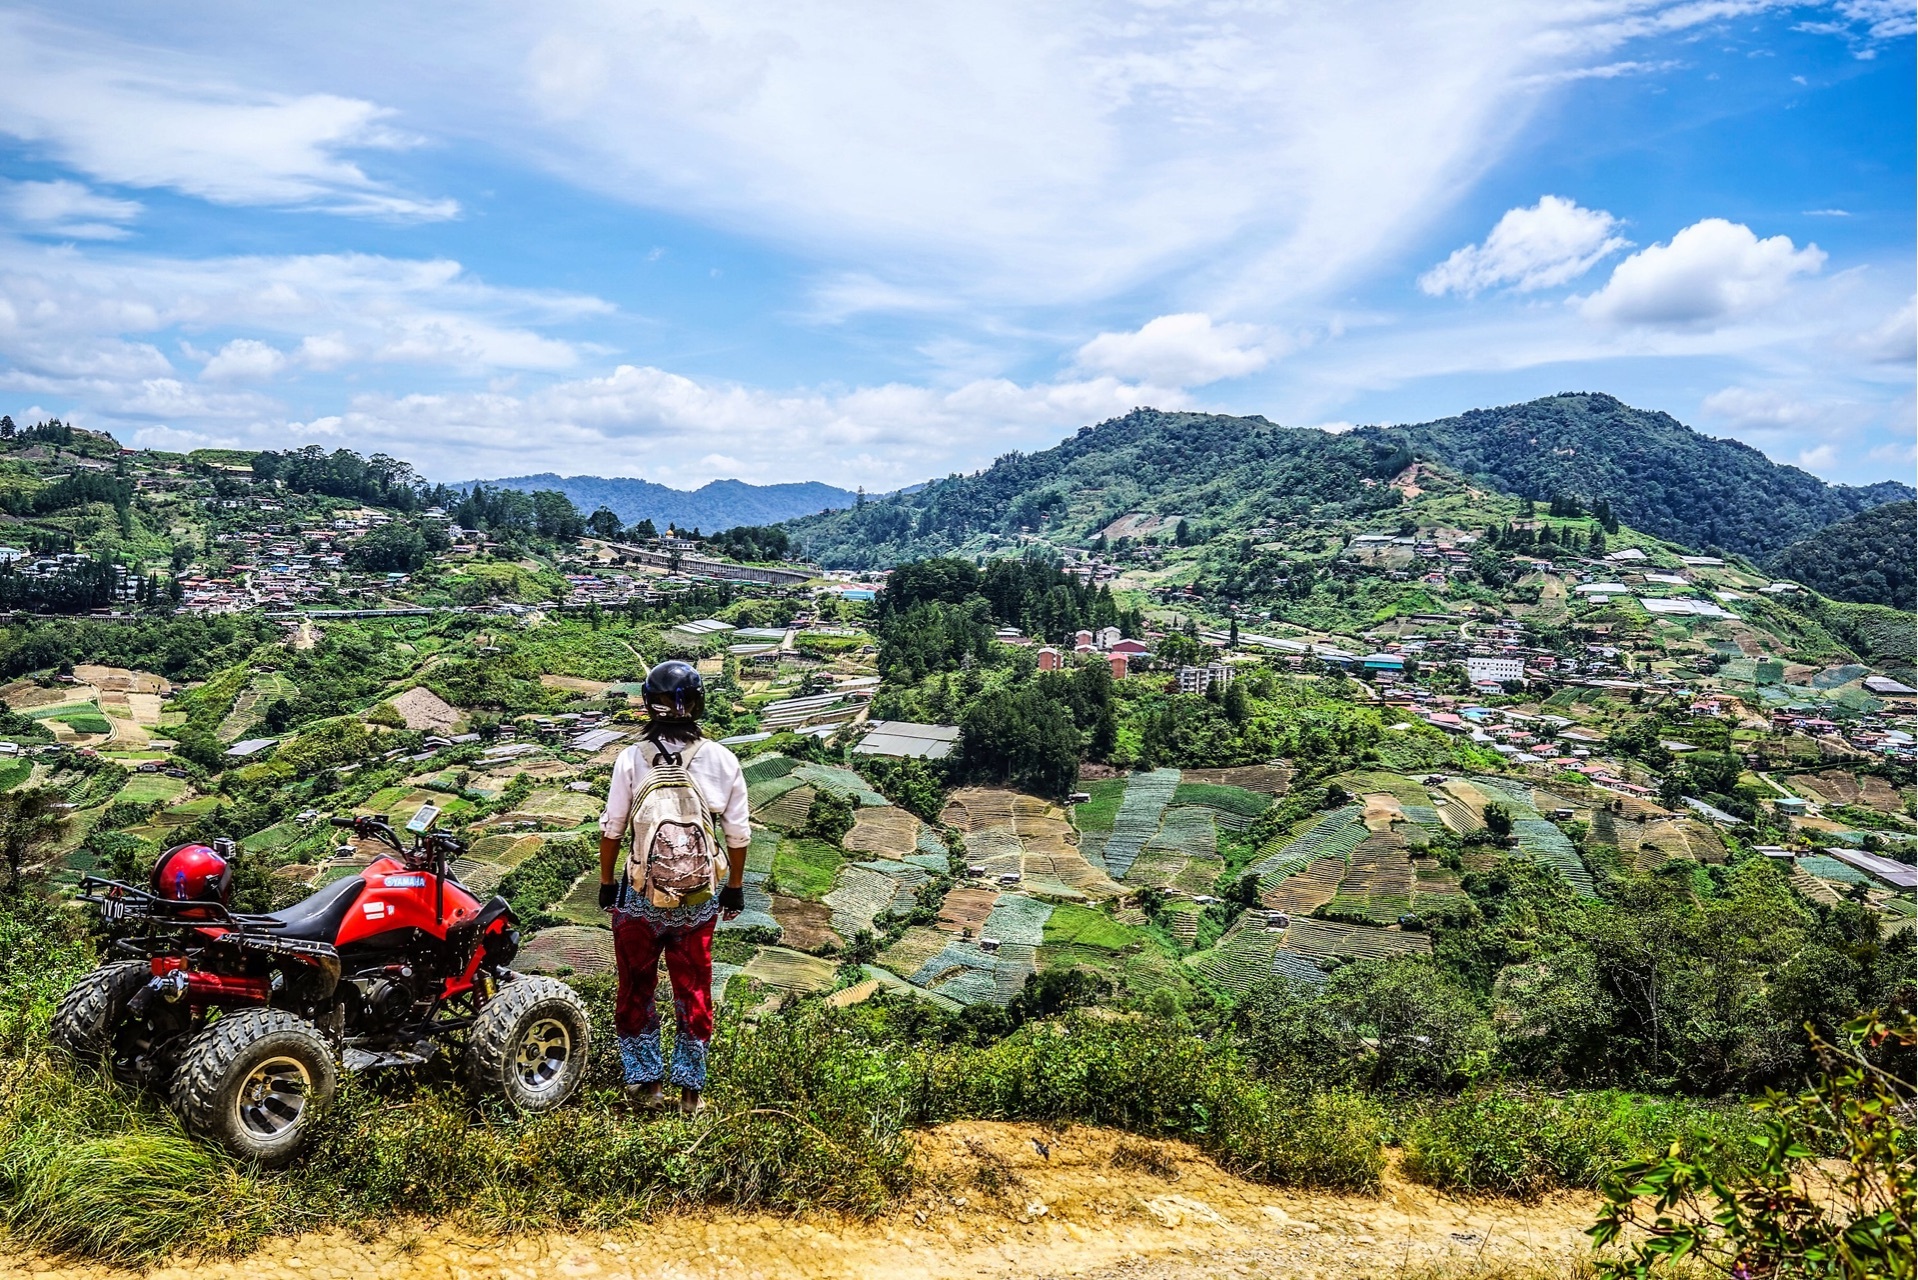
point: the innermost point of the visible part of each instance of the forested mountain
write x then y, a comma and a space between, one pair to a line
1868, 559
718, 504
1658, 474
1235, 472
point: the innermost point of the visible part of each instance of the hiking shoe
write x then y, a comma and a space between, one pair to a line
646, 1097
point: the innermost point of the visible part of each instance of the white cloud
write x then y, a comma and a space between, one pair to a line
144, 118
1551, 243
1713, 272
1817, 458
1747, 408
998, 153
645, 421
244, 360
1895, 339
1882, 19
60, 309
1186, 350
67, 209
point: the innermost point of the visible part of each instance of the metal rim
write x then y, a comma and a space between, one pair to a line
544, 1050
272, 1098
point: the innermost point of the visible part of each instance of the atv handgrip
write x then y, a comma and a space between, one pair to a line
348, 823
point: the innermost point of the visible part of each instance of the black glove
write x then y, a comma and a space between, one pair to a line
732, 898
607, 893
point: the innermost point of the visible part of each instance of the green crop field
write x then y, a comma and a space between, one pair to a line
1075, 926
1097, 813
1232, 800
805, 867
149, 788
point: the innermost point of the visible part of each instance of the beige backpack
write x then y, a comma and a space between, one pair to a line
675, 857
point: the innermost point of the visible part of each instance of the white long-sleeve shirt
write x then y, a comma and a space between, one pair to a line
715, 771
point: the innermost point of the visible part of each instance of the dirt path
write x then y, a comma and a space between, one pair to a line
1004, 1211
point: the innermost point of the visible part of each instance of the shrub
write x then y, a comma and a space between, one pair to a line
1519, 1142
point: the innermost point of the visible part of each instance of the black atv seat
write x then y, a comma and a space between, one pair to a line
317, 918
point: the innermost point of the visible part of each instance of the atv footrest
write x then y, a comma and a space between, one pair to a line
357, 1060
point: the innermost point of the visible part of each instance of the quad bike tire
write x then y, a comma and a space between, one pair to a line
83, 1025
253, 1081
530, 1045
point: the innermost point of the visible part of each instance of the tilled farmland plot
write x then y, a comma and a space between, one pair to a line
977, 808
1269, 779
884, 831
1357, 941
786, 970
807, 925
917, 945
580, 948
1308, 890
966, 909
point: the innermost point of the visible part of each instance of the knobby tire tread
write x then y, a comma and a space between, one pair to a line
83, 1023
210, 1055
489, 1044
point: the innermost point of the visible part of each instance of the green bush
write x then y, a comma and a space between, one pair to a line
1518, 1142
1146, 1077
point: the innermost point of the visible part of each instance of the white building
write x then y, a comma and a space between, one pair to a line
1494, 670
1198, 679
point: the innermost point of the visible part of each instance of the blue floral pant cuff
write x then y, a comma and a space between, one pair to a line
642, 1062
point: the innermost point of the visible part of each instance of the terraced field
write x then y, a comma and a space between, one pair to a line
843, 783
567, 948
858, 898
1328, 938
784, 969
1333, 836
966, 909
1138, 818
1242, 957
1378, 882
250, 705
885, 831
1271, 780
1016, 918
788, 810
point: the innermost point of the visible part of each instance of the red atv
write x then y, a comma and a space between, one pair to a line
244, 1020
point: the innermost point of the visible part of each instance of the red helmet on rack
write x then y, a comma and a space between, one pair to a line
192, 873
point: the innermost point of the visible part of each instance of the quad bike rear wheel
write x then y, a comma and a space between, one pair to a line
253, 1081
90, 1012
530, 1044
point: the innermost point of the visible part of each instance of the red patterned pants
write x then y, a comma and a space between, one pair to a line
637, 947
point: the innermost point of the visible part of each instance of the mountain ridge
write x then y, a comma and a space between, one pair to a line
1220, 470
717, 504
1659, 474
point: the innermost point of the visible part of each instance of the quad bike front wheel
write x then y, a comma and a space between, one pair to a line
253, 1081
530, 1044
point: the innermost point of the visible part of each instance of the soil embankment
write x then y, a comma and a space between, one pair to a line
1091, 1203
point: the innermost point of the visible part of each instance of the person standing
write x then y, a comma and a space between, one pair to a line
681, 798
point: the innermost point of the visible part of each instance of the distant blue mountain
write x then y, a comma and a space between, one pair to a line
718, 504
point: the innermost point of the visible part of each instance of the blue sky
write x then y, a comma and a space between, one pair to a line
867, 244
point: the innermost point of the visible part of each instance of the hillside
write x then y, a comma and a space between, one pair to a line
1131, 476
1657, 473
1868, 559
718, 504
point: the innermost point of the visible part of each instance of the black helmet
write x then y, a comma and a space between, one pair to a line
674, 691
